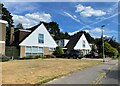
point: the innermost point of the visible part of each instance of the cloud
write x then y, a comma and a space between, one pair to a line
19, 7
72, 33
96, 30
88, 11
29, 20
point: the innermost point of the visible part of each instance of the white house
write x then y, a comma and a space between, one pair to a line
62, 42
79, 42
37, 42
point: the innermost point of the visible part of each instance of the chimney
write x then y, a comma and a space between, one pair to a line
11, 34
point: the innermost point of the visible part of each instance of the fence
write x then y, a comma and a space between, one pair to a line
12, 51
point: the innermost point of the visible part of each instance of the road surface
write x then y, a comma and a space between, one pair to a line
89, 75
112, 77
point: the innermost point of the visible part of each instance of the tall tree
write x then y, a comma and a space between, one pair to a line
6, 15
109, 50
54, 30
19, 26
88, 36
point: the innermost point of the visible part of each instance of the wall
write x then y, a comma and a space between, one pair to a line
22, 51
2, 37
47, 52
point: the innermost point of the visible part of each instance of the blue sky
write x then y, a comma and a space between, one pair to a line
71, 16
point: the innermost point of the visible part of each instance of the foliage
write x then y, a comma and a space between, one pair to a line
58, 51
31, 57
98, 42
19, 26
54, 30
113, 43
6, 15
109, 50
4, 58
88, 37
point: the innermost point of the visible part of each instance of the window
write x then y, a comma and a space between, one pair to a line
40, 38
34, 50
83, 43
28, 54
28, 49
40, 49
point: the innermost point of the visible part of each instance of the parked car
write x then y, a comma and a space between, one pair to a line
71, 54
92, 55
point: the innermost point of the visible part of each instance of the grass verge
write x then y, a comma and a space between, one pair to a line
41, 70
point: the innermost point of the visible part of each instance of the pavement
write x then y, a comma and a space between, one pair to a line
92, 75
111, 77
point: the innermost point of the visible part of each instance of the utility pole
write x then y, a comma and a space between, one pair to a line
103, 44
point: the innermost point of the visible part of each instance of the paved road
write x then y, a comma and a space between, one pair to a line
111, 77
87, 76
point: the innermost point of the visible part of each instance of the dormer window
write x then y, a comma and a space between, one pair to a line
41, 38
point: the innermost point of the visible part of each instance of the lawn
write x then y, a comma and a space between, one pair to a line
41, 70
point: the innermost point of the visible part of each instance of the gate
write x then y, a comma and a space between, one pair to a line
12, 51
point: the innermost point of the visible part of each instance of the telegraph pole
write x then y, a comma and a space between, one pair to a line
103, 44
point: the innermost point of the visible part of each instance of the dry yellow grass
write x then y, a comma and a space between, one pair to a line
39, 71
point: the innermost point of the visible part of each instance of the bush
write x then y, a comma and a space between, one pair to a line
49, 56
31, 57
4, 58
38, 56
100, 55
110, 51
58, 51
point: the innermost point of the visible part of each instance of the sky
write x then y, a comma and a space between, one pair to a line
71, 16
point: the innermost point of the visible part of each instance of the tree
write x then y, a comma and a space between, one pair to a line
109, 50
6, 15
88, 36
19, 26
54, 30
58, 51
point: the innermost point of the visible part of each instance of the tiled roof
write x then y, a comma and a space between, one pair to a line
73, 41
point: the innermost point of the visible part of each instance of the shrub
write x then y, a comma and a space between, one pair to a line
38, 56
4, 58
31, 57
58, 50
49, 56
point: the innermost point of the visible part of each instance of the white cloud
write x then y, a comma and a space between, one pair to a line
72, 33
96, 32
29, 20
88, 11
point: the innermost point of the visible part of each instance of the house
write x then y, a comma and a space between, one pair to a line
2, 36
62, 42
79, 42
34, 41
